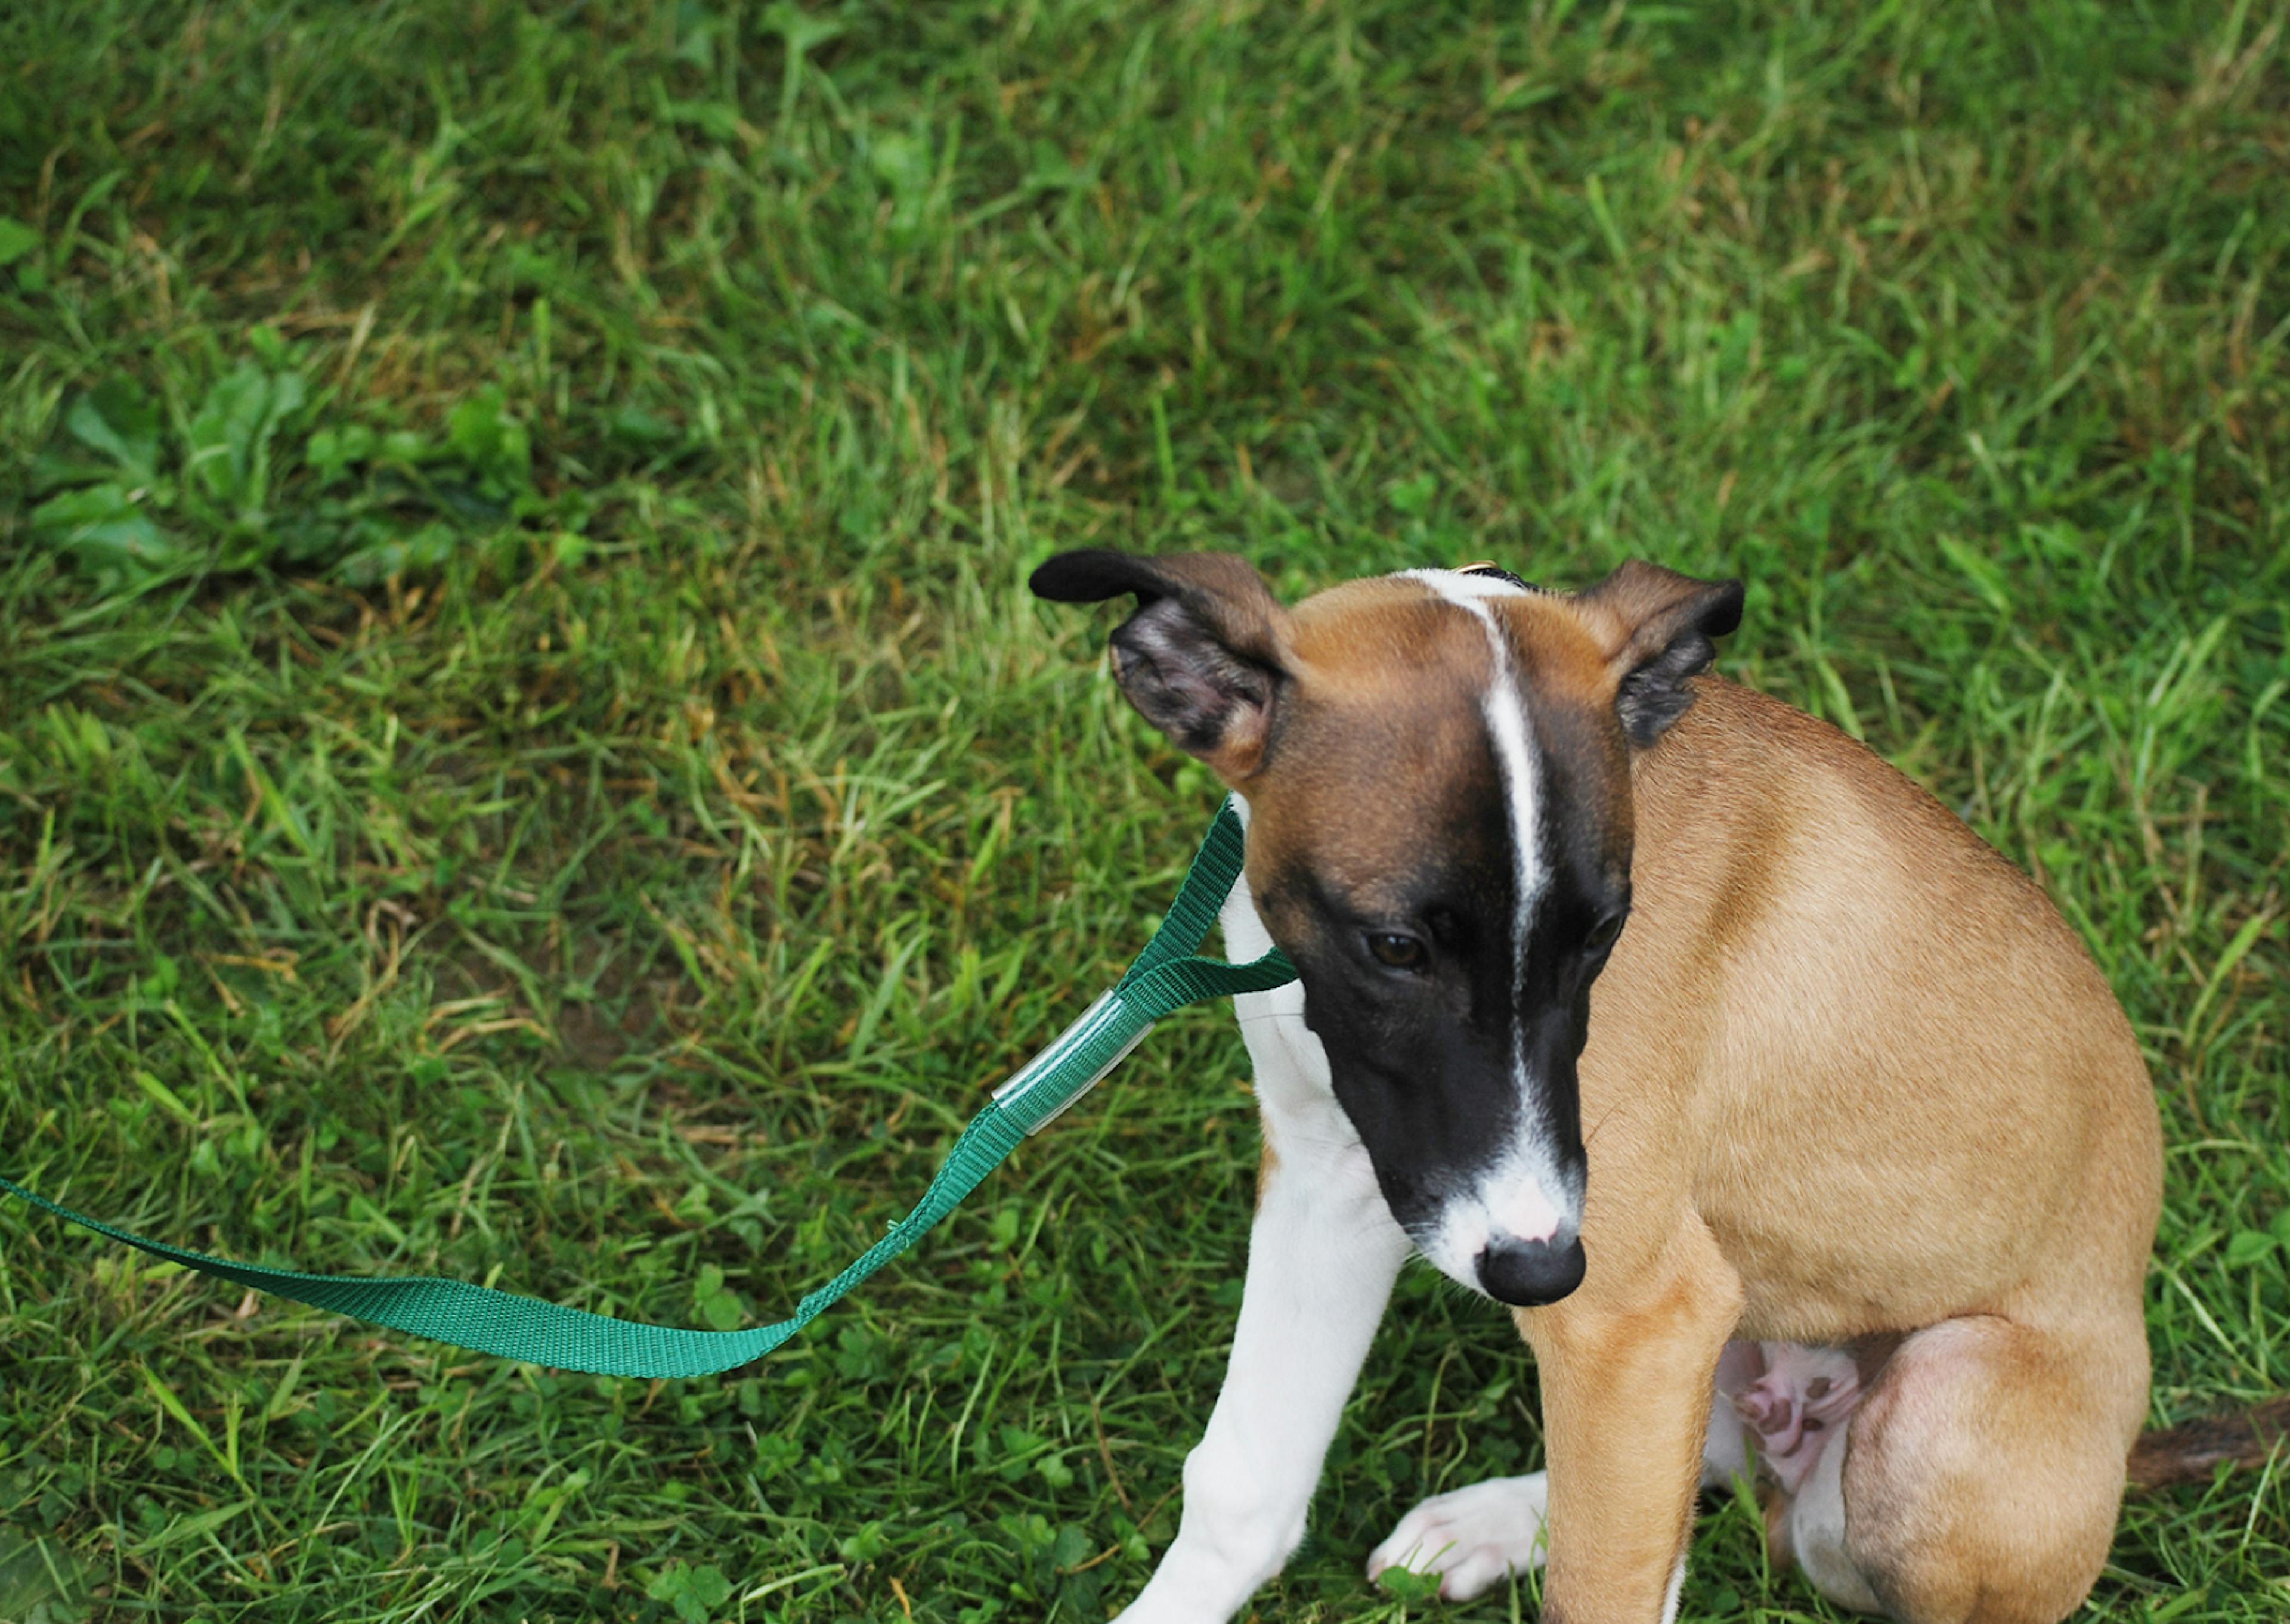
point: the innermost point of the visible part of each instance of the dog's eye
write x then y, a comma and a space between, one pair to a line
1396, 951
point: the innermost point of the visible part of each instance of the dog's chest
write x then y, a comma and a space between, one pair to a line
1293, 1087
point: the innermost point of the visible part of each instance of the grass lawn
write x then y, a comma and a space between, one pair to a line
524, 753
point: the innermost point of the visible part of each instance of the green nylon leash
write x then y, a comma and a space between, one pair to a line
1165, 977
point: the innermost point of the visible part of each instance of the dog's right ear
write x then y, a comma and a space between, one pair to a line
1203, 657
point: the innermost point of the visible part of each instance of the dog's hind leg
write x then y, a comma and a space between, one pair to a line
1979, 1481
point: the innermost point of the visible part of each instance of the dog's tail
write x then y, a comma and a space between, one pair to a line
2191, 1452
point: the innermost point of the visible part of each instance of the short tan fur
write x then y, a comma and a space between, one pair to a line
1848, 1076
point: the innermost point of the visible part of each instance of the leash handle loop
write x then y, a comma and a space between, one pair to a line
1166, 976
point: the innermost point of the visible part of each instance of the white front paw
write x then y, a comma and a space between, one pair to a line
1149, 1608
1472, 1538
1181, 1598
1205, 1579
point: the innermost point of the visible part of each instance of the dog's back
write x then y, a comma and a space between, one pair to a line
1820, 948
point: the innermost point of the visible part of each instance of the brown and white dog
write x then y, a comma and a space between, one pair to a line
1850, 1153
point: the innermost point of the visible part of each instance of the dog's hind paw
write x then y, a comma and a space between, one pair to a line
1471, 1538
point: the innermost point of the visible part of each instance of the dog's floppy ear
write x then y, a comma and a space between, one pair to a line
1662, 628
1202, 659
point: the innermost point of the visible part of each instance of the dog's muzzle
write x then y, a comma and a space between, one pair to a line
1529, 1273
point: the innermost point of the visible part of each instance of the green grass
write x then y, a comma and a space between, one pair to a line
523, 752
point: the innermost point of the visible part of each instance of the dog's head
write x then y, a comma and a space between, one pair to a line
1437, 767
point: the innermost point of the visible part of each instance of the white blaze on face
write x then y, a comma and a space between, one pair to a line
1521, 1196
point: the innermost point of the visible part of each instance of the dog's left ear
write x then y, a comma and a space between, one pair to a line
1661, 628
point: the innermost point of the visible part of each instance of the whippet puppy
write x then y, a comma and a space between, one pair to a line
1842, 1151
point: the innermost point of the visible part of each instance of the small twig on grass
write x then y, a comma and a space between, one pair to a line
1105, 1454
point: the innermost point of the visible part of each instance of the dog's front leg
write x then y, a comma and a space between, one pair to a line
1322, 1256
1626, 1374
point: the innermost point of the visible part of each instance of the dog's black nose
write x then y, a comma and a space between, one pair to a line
1528, 1274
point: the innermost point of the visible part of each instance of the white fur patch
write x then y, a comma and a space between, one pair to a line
1817, 1532
1528, 1213
1513, 1202
1522, 1197
1456, 585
